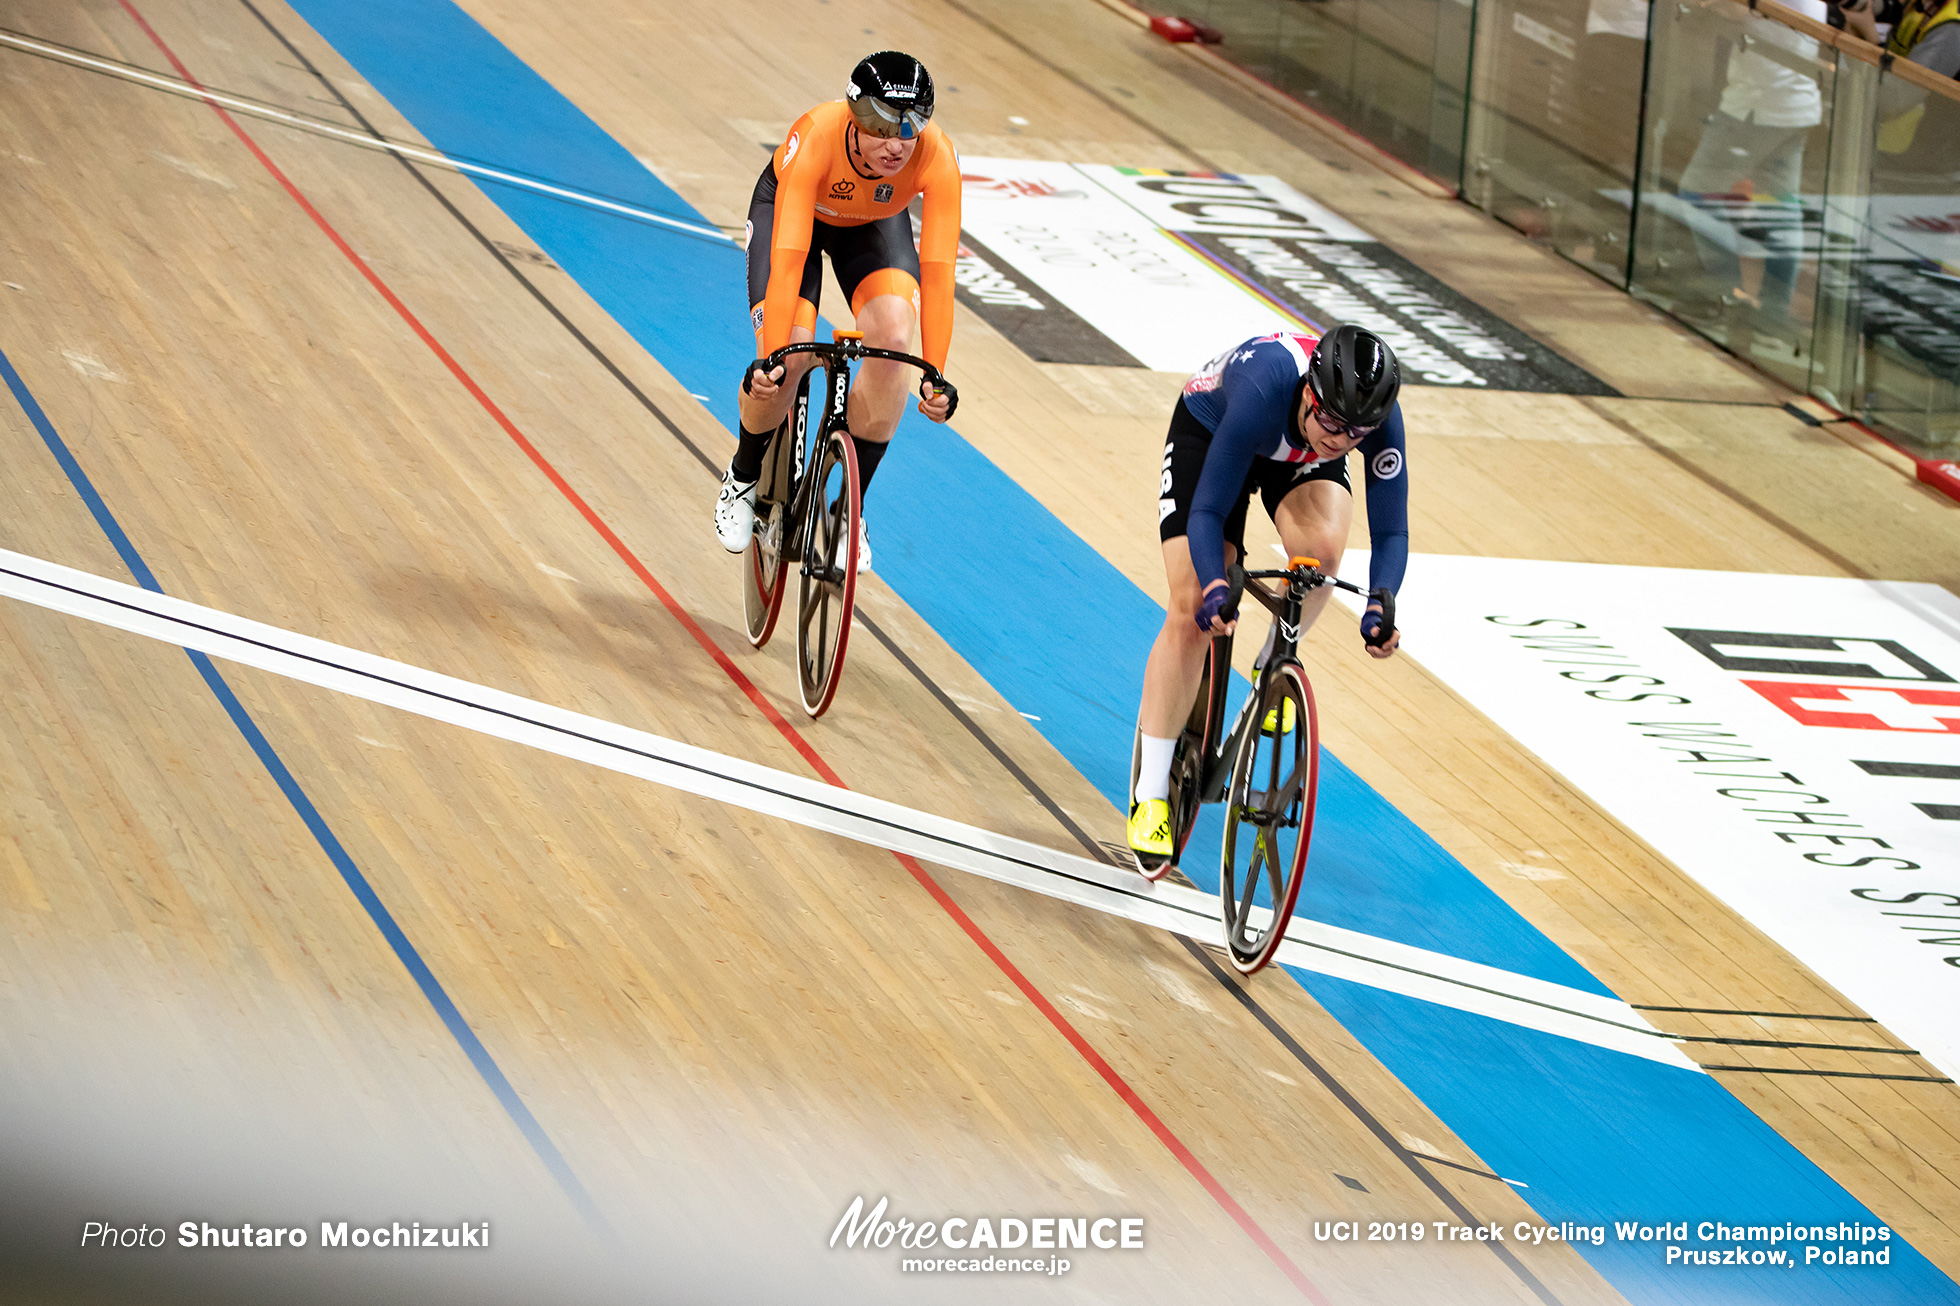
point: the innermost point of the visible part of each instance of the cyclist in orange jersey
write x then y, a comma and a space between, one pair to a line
841, 182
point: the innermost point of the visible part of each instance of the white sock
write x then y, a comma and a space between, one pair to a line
1154, 773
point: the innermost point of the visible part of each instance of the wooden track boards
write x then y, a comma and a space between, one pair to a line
714, 1016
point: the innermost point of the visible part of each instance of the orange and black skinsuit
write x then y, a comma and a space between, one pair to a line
815, 197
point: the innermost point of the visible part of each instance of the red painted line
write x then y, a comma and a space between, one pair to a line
1117, 1082
468, 382
789, 732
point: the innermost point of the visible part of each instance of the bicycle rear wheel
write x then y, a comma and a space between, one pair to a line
763, 573
828, 586
1269, 810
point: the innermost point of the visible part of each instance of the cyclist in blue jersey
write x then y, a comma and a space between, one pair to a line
1278, 414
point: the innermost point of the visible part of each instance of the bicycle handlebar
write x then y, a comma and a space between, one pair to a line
1238, 577
840, 351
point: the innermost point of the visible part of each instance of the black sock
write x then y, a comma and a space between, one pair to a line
869, 454
747, 464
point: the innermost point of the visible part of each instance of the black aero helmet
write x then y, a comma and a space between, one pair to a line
890, 95
1354, 376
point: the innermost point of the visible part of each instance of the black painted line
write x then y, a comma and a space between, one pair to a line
1826, 1074
1730, 1011
1940, 811
1784, 1043
1467, 1169
1409, 1159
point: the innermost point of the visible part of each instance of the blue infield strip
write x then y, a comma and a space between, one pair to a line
1597, 1135
357, 883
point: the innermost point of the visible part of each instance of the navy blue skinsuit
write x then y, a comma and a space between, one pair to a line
1245, 398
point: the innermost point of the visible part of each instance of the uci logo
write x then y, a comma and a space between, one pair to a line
883, 194
842, 190
1387, 464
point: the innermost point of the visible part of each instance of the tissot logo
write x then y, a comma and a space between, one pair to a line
1853, 656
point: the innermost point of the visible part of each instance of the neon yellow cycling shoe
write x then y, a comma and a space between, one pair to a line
1271, 724
1150, 835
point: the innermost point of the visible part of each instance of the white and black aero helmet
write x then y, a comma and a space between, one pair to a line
890, 95
1354, 376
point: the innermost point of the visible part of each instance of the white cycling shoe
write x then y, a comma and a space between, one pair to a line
864, 549
735, 513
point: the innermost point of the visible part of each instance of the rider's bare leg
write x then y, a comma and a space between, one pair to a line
1313, 522
1177, 659
879, 393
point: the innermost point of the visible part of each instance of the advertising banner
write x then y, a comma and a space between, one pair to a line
1791, 742
1168, 268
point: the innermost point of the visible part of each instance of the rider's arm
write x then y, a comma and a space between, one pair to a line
797, 179
1253, 392
1386, 451
939, 247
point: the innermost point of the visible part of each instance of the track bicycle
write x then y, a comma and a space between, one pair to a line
1266, 767
807, 506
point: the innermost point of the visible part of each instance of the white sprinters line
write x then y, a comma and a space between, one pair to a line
253, 108
1326, 949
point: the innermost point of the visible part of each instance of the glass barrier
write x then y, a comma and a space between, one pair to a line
1393, 70
1899, 357
1753, 174
1555, 123
1736, 147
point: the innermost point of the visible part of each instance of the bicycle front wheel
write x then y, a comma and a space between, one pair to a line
1269, 810
828, 587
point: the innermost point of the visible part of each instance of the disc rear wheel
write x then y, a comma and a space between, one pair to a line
827, 588
1269, 811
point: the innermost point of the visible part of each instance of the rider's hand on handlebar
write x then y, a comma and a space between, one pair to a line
1212, 617
763, 385
1371, 621
935, 403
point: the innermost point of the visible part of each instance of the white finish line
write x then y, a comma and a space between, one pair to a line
1344, 954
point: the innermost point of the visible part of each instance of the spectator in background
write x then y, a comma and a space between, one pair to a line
1747, 170
1927, 33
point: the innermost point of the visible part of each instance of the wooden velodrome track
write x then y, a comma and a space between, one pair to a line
346, 397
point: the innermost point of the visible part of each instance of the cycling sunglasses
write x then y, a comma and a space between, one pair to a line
1336, 427
876, 118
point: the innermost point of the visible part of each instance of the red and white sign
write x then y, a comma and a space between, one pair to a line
1864, 707
1791, 742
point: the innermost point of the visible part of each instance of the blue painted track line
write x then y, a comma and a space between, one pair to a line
1597, 1135
357, 883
